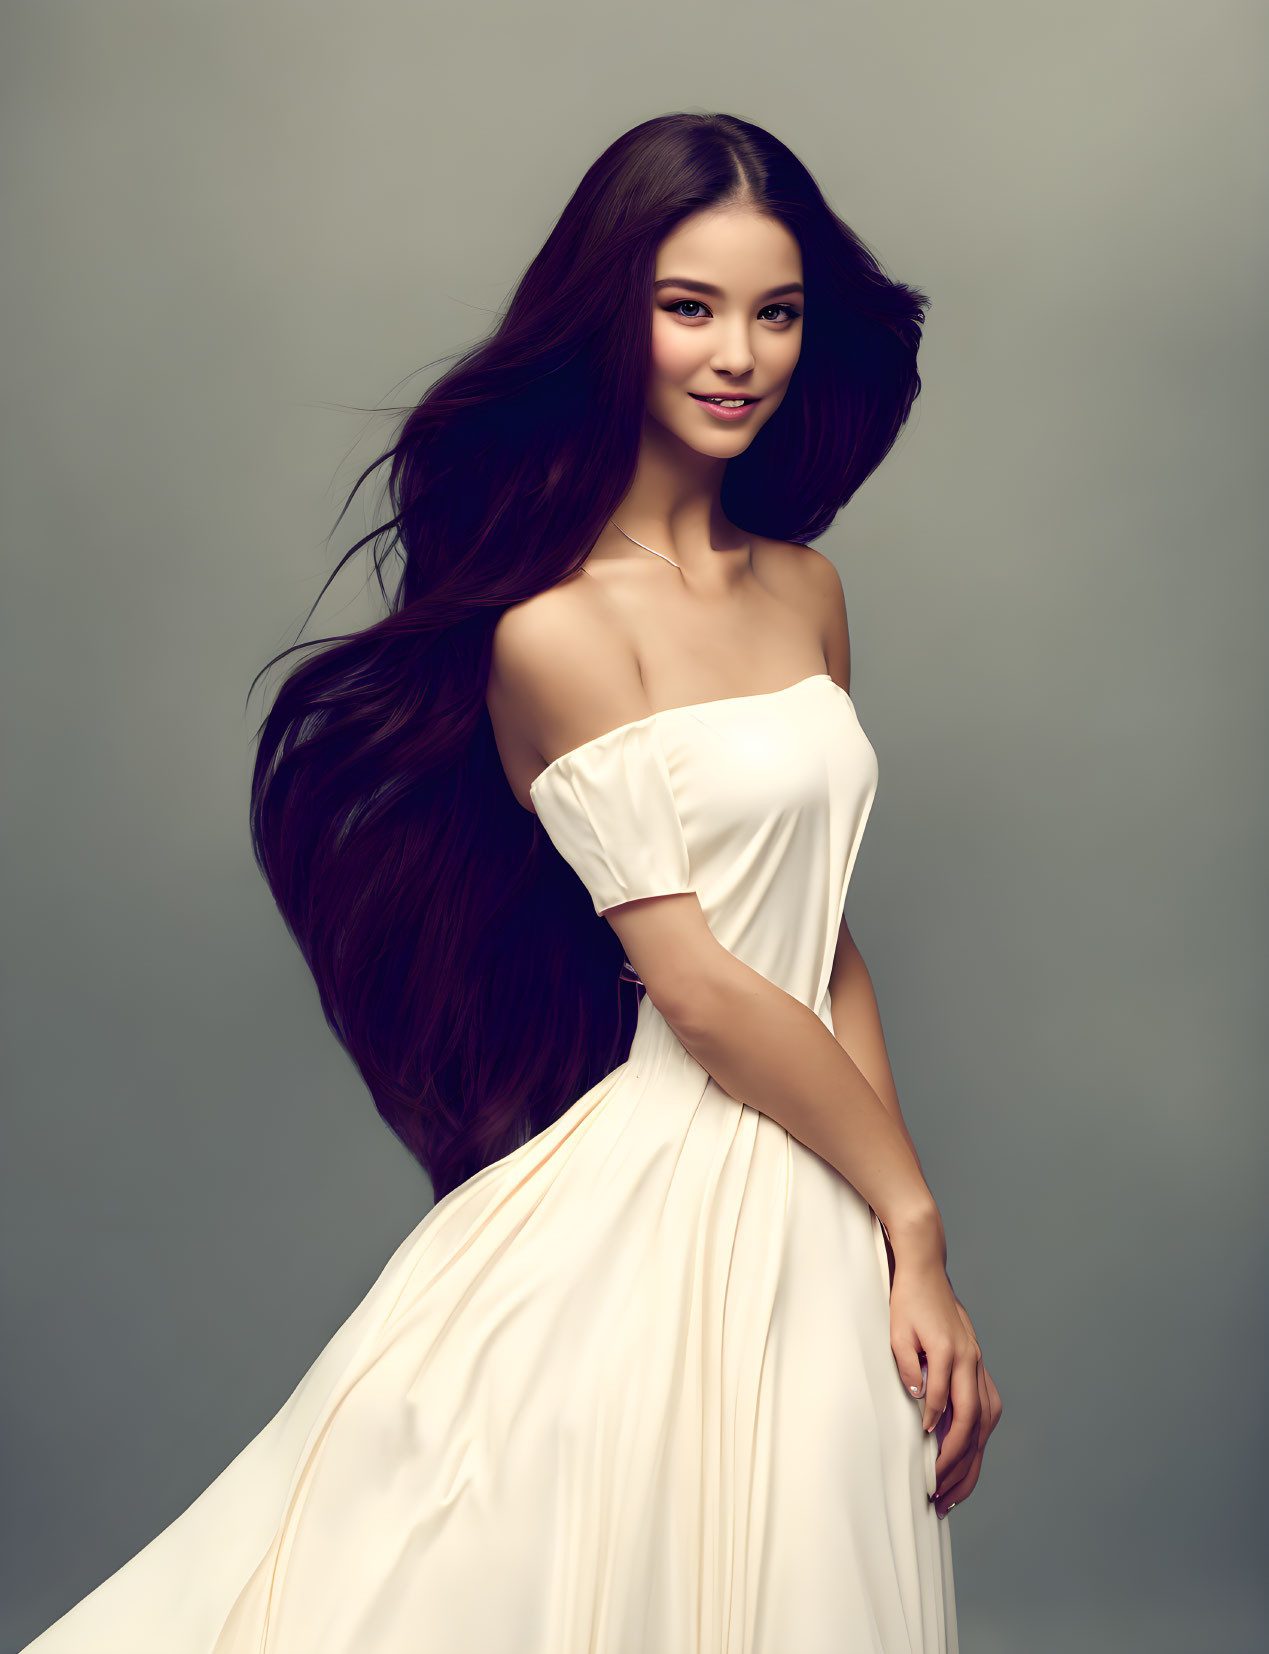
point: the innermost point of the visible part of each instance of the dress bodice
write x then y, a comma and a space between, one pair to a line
758, 803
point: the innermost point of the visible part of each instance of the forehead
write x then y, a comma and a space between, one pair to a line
737, 250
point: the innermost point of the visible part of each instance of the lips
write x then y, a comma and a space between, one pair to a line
700, 397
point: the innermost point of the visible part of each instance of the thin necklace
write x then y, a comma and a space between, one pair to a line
632, 539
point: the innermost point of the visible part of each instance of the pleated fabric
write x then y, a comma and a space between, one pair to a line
628, 1390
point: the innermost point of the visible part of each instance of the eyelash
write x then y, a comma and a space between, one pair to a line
670, 309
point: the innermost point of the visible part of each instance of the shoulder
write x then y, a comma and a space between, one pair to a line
560, 669
807, 578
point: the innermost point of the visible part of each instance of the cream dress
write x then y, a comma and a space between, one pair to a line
629, 1389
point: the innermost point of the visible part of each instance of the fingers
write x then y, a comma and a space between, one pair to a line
957, 1492
960, 1454
911, 1365
967, 1410
960, 1459
993, 1407
938, 1377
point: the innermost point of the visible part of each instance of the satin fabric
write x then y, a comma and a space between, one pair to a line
628, 1390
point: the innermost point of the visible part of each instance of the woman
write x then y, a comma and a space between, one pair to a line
651, 1374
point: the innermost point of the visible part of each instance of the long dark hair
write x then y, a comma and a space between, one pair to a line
458, 958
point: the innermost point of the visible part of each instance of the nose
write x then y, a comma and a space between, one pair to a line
733, 353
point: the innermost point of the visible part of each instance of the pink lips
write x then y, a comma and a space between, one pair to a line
724, 413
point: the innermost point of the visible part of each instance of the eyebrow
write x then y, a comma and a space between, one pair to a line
717, 292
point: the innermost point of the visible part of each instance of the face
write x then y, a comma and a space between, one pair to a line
726, 321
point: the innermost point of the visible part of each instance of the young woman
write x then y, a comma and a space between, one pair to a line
673, 1363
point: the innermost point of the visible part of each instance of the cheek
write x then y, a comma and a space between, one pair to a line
675, 355
784, 358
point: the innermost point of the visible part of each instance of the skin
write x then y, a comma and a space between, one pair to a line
630, 635
744, 340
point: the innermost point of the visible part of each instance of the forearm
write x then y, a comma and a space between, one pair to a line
770, 1051
857, 1026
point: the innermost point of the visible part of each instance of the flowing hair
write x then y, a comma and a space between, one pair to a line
457, 956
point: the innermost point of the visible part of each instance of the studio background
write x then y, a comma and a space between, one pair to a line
233, 228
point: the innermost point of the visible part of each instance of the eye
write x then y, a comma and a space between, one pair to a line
674, 309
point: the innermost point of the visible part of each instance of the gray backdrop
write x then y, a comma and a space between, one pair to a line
230, 227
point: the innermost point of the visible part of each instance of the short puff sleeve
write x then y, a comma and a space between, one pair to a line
609, 809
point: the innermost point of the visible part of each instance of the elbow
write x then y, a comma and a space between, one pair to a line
692, 997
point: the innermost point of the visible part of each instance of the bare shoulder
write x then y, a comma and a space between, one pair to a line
809, 580
561, 671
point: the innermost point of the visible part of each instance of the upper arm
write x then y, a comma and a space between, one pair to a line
560, 672
827, 601
668, 941
561, 676
842, 954
828, 598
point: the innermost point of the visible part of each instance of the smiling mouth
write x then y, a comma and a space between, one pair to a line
724, 400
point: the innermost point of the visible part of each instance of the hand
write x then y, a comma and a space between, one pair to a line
927, 1318
957, 1481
